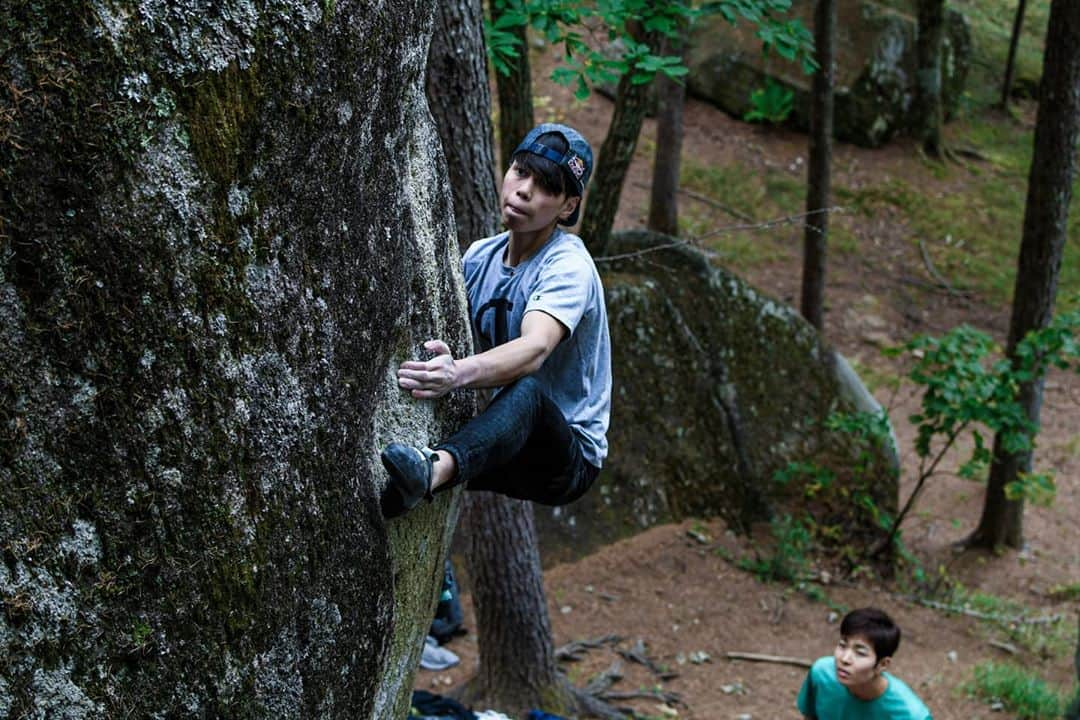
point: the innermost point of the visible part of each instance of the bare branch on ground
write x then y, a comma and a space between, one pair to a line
777, 659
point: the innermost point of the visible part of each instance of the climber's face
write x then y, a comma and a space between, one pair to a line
856, 664
527, 207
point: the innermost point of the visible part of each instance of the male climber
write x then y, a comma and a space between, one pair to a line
538, 316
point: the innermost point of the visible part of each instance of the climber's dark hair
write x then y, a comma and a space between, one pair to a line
551, 177
874, 625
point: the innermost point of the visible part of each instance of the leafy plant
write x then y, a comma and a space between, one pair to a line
969, 388
966, 389
1022, 692
850, 500
788, 558
585, 64
772, 104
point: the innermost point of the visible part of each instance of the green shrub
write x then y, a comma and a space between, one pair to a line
1020, 691
788, 558
772, 104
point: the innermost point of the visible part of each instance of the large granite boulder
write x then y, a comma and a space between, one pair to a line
222, 226
875, 73
717, 388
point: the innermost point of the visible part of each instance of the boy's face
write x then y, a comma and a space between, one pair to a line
856, 662
527, 207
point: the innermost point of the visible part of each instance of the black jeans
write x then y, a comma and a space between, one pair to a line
521, 446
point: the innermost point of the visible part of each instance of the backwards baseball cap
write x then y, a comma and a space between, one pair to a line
578, 158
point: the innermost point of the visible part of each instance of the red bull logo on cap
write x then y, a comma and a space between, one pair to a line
576, 165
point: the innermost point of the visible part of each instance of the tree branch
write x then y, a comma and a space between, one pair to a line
776, 659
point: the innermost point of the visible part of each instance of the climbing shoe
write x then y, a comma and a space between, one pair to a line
410, 471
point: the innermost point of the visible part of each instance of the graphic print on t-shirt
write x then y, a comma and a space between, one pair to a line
497, 331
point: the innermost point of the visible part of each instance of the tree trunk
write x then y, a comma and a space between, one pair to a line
819, 167
1053, 167
517, 668
664, 194
219, 231
1010, 63
1073, 711
615, 155
460, 100
515, 93
927, 110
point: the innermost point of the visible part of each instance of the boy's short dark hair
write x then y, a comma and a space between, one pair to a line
876, 626
551, 177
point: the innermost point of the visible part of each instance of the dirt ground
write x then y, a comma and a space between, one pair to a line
682, 597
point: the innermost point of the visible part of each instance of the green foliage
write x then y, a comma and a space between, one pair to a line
1069, 592
503, 47
1047, 639
790, 39
963, 386
814, 477
562, 22
970, 387
1020, 690
772, 104
788, 557
869, 432
967, 387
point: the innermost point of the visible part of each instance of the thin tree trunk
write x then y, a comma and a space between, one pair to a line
515, 93
1053, 167
1010, 63
616, 153
1073, 711
460, 100
819, 168
517, 669
928, 112
671, 94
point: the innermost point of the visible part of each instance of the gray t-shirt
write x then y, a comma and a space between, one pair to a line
560, 279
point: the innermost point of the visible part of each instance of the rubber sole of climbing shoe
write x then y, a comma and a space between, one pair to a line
410, 472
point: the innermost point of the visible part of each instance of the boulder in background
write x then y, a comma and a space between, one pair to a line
875, 79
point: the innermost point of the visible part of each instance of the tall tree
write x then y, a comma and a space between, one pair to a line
460, 100
667, 161
1053, 167
517, 669
1010, 63
514, 84
631, 103
1073, 711
819, 167
928, 109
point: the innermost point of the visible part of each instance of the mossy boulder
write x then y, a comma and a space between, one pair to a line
717, 389
875, 67
222, 226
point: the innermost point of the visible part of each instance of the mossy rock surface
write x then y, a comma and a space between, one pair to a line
690, 343
875, 67
222, 226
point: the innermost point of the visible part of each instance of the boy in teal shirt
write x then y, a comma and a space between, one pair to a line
853, 684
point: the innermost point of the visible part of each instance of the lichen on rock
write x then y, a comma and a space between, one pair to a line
221, 224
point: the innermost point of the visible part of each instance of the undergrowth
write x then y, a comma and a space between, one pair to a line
1017, 689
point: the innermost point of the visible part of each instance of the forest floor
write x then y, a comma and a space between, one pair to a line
679, 588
